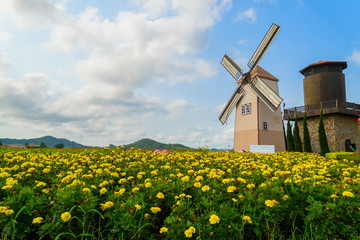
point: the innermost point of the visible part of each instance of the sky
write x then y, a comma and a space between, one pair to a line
116, 71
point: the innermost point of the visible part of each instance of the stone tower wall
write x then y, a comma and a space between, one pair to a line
338, 128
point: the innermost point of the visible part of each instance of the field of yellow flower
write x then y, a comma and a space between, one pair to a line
138, 194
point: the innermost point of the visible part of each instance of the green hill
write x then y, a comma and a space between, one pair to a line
48, 140
147, 143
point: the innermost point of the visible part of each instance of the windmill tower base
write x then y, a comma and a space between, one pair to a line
256, 123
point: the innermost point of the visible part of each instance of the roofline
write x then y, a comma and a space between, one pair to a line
320, 63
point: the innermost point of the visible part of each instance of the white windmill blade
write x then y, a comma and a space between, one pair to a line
230, 105
265, 93
264, 45
232, 67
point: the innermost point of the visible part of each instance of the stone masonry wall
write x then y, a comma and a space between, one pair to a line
338, 128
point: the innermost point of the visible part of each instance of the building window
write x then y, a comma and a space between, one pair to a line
246, 108
265, 126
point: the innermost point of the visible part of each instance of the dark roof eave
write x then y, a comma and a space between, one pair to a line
319, 63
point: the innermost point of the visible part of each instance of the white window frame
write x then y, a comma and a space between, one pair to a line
246, 109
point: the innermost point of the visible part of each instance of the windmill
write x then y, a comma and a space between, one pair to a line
256, 82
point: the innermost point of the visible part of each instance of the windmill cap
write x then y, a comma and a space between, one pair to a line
260, 72
343, 65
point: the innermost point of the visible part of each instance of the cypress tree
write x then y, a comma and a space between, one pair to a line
324, 147
284, 133
306, 136
297, 139
289, 138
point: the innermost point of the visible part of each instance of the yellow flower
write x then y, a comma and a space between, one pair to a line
136, 189
199, 178
247, 219
37, 220
189, 232
205, 188
197, 184
271, 203
214, 219
147, 215
160, 195
285, 197
250, 186
148, 185
102, 191
231, 189
86, 190
66, 216
334, 196
163, 230
155, 209
120, 192
347, 194
9, 212
138, 207
185, 179
106, 205
241, 196
234, 200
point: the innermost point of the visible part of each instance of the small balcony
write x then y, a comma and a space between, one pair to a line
329, 107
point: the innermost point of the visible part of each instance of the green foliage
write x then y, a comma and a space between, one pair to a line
289, 138
147, 143
48, 140
43, 145
310, 195
306, 136
297, 139
59, 145
324, 147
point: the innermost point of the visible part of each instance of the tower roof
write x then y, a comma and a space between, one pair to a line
262, 73
343, 65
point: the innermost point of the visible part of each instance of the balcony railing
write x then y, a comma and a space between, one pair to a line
314, 109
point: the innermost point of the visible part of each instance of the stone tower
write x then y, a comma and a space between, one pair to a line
324, 88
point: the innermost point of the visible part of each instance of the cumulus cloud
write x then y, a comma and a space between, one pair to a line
355, 57
247, 15
156, 41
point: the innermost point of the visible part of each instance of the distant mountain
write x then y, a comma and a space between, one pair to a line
48, 140
147, 143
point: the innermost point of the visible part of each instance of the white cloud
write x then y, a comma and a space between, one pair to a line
242, 41
355, 57
247, 15
4, 37
156, 41
5, 63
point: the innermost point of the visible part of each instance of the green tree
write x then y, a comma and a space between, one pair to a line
297, 139
59, 145
289, 138
0, 143
43, 145
306, 136
324, 147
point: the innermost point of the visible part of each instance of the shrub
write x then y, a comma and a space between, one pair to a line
306, 136
297, 139
324, 147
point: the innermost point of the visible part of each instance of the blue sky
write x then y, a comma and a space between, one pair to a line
115, 71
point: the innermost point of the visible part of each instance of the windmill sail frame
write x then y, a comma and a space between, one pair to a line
265, 93
263, 46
